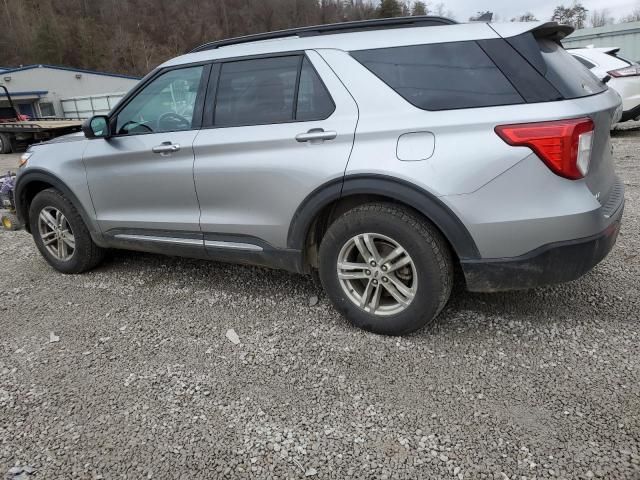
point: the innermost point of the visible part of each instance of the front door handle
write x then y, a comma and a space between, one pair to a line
316, 135
166, 148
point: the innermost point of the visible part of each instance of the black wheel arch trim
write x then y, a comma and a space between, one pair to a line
38, 175
400, 190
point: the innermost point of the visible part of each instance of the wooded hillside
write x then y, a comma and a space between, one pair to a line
133, 36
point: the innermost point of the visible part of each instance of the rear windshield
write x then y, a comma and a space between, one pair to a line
441, 76
570, 77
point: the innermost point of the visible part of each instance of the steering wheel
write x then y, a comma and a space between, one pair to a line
142, 126
173, 121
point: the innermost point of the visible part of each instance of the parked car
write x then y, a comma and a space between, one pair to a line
381, 155
624, 75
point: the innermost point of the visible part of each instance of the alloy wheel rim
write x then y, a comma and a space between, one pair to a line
377, 274
56, 234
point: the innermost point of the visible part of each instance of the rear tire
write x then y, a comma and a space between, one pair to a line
61, 235
5, 143
404, 282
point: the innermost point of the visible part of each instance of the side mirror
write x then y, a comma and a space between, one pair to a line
96, 127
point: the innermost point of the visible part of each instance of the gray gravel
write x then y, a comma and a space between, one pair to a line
129, 372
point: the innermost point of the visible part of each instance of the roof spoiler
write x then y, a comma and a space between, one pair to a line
551, 30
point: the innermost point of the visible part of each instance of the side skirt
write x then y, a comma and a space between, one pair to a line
238, 249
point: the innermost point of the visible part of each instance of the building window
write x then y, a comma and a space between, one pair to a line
47, 110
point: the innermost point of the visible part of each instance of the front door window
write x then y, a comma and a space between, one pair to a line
167, 104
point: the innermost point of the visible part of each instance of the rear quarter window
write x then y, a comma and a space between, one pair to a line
566, 73
441, 76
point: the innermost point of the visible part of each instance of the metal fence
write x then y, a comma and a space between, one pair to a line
88, 106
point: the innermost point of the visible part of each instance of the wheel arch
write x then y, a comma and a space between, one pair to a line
32, 182
327, 202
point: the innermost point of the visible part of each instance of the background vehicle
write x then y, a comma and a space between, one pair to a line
379, 153
19, 131
625, 75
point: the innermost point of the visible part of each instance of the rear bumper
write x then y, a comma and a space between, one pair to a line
553, 263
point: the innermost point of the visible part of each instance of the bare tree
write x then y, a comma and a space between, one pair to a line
634, 16
525, 17
600, 18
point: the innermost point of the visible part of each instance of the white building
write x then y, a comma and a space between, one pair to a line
625, 36
39, 90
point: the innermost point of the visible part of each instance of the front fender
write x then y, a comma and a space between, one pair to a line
29, 183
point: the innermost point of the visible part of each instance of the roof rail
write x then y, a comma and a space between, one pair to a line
344, 27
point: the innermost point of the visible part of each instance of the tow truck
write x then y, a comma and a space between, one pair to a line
18, 131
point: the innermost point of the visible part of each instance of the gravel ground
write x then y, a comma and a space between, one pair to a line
9, 162
126, 372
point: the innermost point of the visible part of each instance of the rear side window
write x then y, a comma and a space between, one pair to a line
566, 73
314, 102
270, 90
256, 91
441, 76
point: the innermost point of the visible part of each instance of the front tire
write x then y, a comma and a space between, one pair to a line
61, 235
386, 269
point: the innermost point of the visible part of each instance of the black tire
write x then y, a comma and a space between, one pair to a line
5, 143
419, 238
86, 254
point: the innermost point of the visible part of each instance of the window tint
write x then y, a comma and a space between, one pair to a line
584, 61
441, 76
253, 92
314, 102
166, 104
568, 75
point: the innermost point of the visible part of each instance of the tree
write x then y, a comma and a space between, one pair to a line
525, 17
600, 18
419, 8
390, 8
634, 16
575, 15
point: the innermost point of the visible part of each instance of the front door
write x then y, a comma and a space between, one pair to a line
141, 178
282, 126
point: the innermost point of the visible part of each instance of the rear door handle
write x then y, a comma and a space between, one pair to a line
166, 148
316, 135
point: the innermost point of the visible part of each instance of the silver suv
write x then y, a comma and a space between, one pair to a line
381, 156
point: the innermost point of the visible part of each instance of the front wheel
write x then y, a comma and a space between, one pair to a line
61, 235
386, 269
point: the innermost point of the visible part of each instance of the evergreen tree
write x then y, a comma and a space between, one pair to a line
419, 8
389, 8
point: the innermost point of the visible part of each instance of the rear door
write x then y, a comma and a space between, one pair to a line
280, 127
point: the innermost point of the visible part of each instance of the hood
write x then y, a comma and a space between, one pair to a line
71, 137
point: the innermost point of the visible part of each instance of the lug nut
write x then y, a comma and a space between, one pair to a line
375, 282
384, 268
385, 279
367, 272
373, 264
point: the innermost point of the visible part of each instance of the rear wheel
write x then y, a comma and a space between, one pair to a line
386, 269
61, 235
5, 143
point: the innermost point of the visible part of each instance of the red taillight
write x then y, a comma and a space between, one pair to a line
564, 145
632, 71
